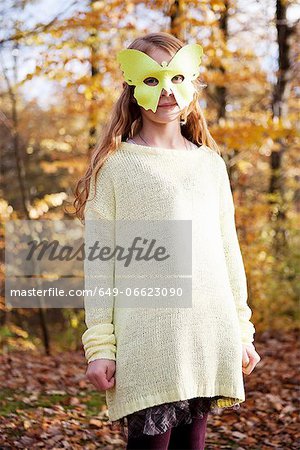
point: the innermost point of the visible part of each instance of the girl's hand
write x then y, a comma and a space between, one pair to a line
100, 373
250, 358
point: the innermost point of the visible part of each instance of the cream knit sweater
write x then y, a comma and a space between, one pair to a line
169, 354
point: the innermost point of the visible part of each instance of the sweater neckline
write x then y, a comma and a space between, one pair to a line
138, 148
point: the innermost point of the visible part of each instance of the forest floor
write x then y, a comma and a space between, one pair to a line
46, 402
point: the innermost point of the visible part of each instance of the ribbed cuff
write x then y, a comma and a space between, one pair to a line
99, 342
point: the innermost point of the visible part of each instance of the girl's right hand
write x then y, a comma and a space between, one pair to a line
100, 373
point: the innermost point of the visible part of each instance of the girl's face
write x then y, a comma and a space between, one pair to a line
167, 109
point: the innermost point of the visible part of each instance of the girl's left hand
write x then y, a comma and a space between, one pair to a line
250, 358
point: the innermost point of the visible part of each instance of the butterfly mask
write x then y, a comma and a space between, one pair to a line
137, 66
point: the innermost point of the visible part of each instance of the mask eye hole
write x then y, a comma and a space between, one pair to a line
151, 81
177, 79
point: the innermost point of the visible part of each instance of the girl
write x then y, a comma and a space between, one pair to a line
164, 369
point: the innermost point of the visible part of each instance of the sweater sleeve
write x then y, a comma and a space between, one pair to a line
233, 256
99, 339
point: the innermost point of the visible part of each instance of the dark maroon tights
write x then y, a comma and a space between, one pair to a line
189, 436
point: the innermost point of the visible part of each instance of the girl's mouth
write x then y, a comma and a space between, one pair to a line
168, 105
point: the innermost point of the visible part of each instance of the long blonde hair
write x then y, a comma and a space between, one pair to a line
126, 119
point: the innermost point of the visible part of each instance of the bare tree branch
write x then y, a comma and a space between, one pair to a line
40, 28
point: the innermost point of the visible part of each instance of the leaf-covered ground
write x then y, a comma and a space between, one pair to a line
46, 402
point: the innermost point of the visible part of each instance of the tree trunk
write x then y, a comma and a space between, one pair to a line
94, 48
221, 91
177, 15
279, 110
21, 176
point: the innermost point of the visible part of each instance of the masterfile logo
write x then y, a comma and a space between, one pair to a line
57, 264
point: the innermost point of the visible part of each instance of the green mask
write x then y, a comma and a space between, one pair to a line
137, 66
